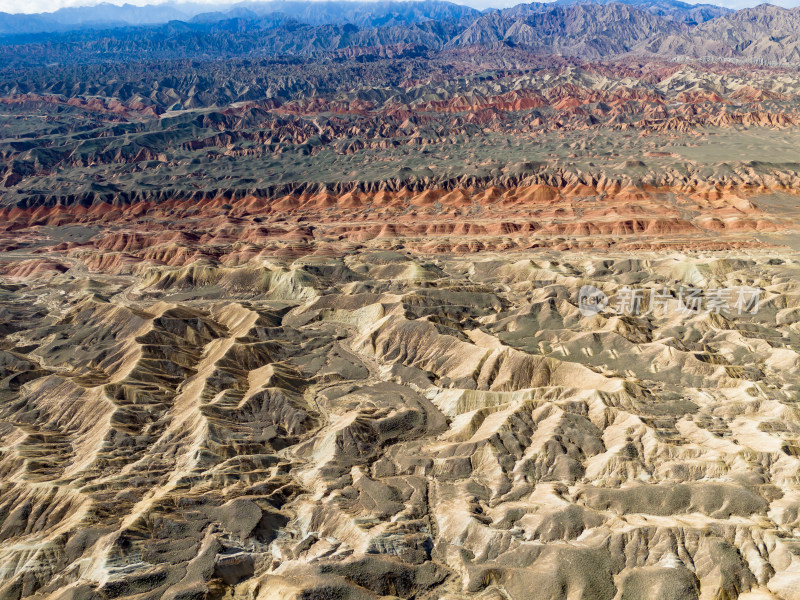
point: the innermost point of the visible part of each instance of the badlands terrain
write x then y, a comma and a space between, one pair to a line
293, 303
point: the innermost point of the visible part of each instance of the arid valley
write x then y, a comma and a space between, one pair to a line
400, 300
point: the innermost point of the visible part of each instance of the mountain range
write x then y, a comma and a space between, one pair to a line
293, 302
108, 16
598, 29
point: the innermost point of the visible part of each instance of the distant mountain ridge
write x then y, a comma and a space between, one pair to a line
596, 29
765, 33
324, 12
579, 29
364, 14
674, 10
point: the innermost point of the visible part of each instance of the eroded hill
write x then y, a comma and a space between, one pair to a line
450, 306
388, 423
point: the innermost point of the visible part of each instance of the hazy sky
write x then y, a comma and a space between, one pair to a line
33, 6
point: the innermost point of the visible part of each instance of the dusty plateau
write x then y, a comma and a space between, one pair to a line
292, 306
